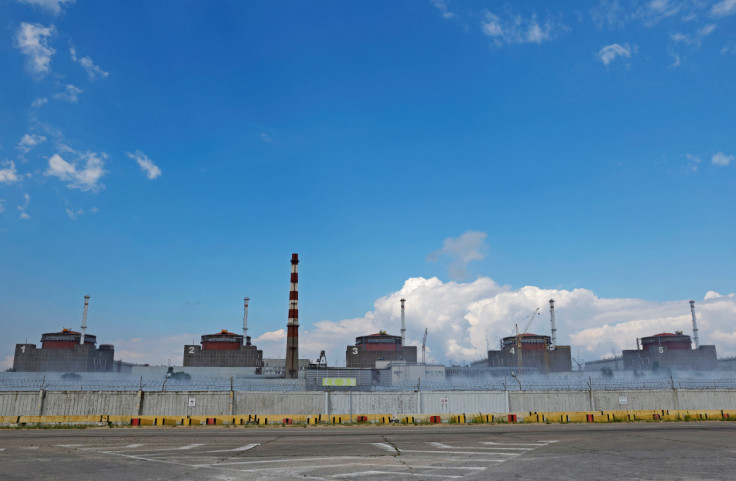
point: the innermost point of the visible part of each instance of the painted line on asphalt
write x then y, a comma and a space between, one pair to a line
241, 448
70, 445
386, 447
445, 446
280, 461
376, 473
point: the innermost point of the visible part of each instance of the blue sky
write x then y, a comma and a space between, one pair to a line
167, 158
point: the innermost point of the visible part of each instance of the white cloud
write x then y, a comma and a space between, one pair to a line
33, 41
52, 6
470, 246
608, 13
153, 350
266, 138
512, 28
442, 6
39, 102
29, 141
610, 52
74, 215
8, 174
723, 8
152, 171
86, 178
22, 208
721, 159
730, 47
461, 317
93, 70
70, 94
7, 362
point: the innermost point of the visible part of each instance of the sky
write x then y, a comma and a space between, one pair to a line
477, 158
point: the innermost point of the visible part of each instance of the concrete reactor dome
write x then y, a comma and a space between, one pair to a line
529, 341
676, 340
65, 339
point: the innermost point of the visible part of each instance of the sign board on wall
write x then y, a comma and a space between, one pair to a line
338, 381
192, 402
623, 400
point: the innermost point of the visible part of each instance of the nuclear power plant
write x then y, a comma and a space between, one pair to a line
375, 358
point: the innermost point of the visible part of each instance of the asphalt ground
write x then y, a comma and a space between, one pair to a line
646, 451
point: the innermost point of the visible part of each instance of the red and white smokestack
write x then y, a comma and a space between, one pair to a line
695, 325
403, 324
84, 319
292, 327
245, 317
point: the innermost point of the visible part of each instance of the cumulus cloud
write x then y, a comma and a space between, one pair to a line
70, 94
724, 8
470, 246
462, 317
51, 6
86, 178
93, 71
511, 28
609, 53
152, 171
29, 141
721, 159
8, 174
33, 42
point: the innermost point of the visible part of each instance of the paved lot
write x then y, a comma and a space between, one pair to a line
650, 451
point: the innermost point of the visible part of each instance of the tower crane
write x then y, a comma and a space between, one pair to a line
519, 363
424, 345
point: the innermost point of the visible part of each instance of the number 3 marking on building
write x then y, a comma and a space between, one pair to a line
355, 351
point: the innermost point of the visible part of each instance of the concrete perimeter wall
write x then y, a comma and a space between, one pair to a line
74, 403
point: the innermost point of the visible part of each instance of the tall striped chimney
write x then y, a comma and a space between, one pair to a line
553, 341
403, 324
245, 317
695, 325
84, 319
292, 327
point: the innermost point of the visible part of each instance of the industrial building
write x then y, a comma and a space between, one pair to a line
378, 347
669, 350
527, 352
224, 349
66, 351
381, 347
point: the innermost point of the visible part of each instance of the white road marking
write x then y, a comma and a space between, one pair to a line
537, 444
385, 446
445, 446
241, 448
279, 461
30, 447
372, 473
2, 449
134, 445
70, 445
479, 453
190, 446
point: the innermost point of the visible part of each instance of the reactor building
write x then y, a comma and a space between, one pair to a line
526, 352
381, 347
225, 349
669, 350
65, 351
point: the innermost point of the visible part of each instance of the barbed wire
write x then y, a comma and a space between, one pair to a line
226, 384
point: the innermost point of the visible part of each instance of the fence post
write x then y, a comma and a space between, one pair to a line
590, 393
674, 394
506, 395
